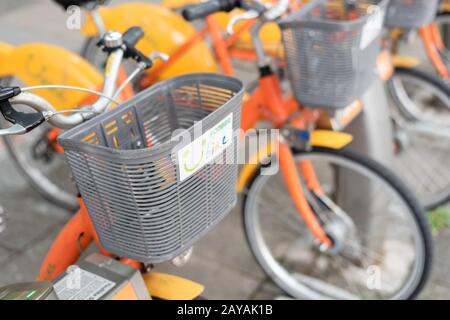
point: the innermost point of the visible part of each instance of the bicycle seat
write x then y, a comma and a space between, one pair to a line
67, 3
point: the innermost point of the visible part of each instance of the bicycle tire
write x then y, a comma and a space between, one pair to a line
415, 210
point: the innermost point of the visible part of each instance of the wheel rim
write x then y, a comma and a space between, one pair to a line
422, 145
422, 101
422, 162
306, 288
443, 23
52, 180
42, 178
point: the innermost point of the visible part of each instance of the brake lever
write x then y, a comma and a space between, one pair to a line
248, 15
146, 62
156, 55
277, 11
22, 122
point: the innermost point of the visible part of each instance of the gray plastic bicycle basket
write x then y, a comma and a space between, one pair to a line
411, 14
152, 187
331, 51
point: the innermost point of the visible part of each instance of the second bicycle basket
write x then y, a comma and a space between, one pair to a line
157, 172
411, 14
331, 50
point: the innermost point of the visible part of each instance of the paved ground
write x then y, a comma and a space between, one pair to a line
221, 261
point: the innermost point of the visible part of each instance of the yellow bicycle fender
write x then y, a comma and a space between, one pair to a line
330, 139
42, 64
164, 31
169, 287
319, 138
5, 51
405, 61
252, 165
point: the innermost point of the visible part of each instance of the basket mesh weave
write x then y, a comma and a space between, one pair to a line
331, 51
125, 165
411, 14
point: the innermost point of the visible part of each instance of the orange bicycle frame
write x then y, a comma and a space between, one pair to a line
222, 48
267, 103
433, 44
75, 236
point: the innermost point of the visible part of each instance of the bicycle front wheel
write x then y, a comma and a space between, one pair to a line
381, 239
48, 173
421, 115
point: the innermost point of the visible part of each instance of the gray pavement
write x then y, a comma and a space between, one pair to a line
221, 261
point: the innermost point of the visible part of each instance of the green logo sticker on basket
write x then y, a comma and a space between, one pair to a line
204, 149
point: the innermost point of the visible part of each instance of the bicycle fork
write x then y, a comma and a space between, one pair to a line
289, 170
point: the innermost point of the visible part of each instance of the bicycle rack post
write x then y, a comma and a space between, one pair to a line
372, 129
372, 134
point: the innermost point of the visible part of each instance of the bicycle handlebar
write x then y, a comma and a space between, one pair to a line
132, 36
25, 122
201, 10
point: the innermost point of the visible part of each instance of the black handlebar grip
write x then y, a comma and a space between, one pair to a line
132, 36
198, 11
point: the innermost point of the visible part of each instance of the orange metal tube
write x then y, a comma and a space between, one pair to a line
308, 172
292, 180
426, 34
66, 249
220, 45
272, 97
231, 40
73, 238
52, 136
90, 226
245, 55
251, 110
132, 263
437, 39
